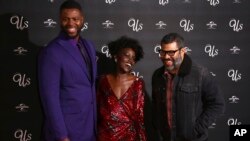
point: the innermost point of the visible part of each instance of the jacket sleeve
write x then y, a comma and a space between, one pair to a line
156, 116
49, 87
213, 103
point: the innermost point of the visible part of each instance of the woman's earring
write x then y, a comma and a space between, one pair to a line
115, 60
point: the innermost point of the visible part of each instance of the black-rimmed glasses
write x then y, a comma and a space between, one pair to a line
168, 52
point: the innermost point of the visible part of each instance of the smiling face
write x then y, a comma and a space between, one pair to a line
71, 22
125, 60
171, 56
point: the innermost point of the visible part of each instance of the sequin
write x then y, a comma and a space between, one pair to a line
121, 119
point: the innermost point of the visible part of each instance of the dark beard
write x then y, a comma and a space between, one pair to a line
176, 64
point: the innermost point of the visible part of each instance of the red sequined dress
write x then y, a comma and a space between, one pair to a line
121, 119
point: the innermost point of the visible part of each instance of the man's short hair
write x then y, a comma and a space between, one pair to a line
69, 4
173, 37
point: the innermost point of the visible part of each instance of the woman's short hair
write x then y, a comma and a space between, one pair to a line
125, 42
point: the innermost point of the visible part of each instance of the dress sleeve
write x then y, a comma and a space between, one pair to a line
140, 111
99, 91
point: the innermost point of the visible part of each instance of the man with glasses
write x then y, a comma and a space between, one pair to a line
186, 98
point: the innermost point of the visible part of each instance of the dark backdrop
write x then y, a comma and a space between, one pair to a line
216, 34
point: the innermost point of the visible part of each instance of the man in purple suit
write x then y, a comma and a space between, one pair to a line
66, 74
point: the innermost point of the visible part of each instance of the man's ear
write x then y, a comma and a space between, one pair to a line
184, 49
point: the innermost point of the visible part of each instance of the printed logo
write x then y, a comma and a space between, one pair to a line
22, 107
19, 22
163, 2
212, 126
213, 2
21, 79
233, 99
50, 23
105, 50
213, 74
234, 74
108, 24
156, 49
233, 121
236, 25
235, 50
211, 50
186, 25
161, 25
20, 51
137, 74
186, 1
85, 26
135, 24
110, 1
237, 1
211, 25
22, 135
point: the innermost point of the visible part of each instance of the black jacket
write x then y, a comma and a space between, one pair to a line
197, 102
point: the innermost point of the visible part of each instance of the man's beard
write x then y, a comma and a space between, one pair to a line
176, 64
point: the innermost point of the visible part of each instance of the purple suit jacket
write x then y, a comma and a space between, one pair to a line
67, 93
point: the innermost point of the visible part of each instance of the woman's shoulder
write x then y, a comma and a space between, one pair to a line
139, 80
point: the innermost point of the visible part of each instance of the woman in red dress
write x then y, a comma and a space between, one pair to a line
120, 95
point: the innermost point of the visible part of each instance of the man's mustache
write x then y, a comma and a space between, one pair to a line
167, 59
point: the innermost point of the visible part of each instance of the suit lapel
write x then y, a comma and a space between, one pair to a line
92, 59
75, 54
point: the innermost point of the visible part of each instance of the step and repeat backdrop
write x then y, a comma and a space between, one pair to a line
217, 35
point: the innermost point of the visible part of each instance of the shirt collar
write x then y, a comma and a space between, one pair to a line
169, 75
71, 40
